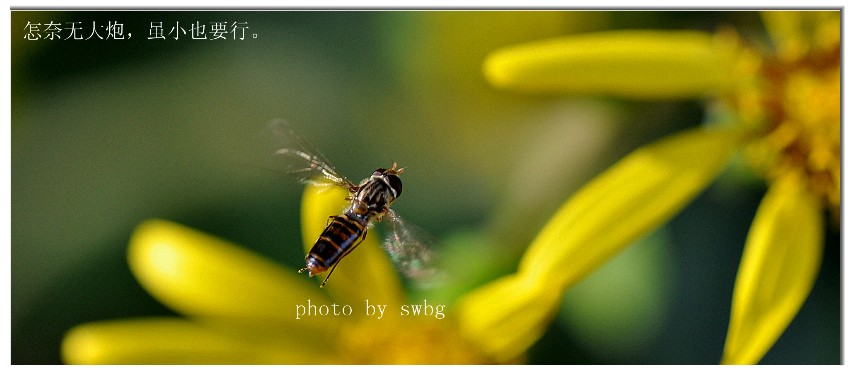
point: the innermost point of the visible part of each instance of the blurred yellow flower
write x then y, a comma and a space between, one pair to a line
780, 107
241, 308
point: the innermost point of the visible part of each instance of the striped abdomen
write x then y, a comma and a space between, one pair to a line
340, 237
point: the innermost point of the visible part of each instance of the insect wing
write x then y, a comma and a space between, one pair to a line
410, 248
305, 162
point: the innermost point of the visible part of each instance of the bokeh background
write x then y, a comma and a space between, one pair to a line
108, 133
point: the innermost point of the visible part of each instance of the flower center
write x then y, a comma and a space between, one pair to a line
406, 342
795, 100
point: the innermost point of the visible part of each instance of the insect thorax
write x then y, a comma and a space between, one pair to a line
372, 198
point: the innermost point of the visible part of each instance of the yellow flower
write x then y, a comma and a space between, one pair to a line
241, 308
779, 107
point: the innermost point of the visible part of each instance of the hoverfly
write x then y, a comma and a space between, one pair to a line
370, 203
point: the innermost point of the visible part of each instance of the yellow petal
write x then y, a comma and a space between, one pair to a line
172, 341
506, 316
365, 273
197, 274
778, 269
631, 198
636, 64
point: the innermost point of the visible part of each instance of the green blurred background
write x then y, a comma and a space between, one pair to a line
108, 133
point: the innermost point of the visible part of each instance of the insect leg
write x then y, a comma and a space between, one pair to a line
350, 249
329, 275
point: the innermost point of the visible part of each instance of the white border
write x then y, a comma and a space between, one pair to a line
439, 4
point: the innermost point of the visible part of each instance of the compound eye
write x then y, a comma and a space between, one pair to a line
395, 183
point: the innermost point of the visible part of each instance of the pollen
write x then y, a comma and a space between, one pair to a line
794, 100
